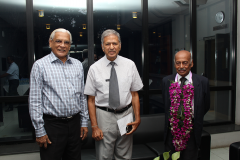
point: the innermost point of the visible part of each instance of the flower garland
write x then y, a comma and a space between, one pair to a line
181, 121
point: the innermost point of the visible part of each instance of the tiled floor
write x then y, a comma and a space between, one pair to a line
220, 154
216, 154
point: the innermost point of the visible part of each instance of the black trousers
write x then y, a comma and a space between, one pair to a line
190, 153
65, 138
13, 85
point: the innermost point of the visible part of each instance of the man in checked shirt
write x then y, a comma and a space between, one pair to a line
57, 105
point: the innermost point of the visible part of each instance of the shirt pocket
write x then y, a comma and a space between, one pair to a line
76, 82
102, 85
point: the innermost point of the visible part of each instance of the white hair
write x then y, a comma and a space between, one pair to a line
109, 32
191, 58
60, 30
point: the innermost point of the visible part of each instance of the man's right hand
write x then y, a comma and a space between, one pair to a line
43, 141
97, 133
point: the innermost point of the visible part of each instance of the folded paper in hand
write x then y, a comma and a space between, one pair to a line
122, 123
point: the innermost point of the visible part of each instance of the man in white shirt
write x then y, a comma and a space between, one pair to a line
13, 79
110, 100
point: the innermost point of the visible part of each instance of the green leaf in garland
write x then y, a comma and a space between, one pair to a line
157, 158
166, 155
176, 155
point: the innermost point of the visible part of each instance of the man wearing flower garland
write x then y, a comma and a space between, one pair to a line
186, 98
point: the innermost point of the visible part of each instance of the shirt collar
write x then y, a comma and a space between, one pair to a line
106, 61
187, 76
53, 58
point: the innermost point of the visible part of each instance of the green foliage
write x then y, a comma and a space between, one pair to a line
172, 81
166, 155
176, 155
157, 158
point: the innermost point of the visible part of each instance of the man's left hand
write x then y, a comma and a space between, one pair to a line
84, 132
134, 126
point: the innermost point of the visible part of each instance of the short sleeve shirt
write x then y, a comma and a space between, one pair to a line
13, 71
97, 83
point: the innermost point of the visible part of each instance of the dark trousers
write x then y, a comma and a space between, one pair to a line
190, 153
13, 85
65, 138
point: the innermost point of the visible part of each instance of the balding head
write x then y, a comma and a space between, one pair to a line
183, 62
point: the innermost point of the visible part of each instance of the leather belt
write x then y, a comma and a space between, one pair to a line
66, 119
115, 111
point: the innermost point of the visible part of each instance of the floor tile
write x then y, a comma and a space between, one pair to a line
218, 151
224, 156
28, 156
227, 148
215, 157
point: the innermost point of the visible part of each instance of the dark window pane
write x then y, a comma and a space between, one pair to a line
220, 108
125, 18
49, 15
15, 123
156, 104
168, 33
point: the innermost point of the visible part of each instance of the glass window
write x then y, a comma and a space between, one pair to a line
49, 15
220, 110
156, 104
125, 17
70, 15
214, 32
15, 121
167, 35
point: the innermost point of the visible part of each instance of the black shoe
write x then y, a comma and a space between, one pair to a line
8, 109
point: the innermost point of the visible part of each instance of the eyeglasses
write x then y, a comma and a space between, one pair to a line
60, 42
185, 63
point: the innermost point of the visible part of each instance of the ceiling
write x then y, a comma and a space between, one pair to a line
71, 14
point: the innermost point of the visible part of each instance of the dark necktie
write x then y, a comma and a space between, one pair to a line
114, 98
183, 80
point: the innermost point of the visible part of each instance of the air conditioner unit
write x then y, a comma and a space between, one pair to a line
199, 2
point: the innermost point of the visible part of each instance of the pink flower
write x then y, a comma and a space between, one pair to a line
181, 134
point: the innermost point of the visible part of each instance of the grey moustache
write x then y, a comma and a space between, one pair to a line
182, 69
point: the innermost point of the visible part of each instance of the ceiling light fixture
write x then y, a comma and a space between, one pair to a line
154, 32
118, 27
80, 34
84, 26
47, 26
134, 14
40, 13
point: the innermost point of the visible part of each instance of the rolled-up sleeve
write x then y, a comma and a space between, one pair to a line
83, 102
35, 100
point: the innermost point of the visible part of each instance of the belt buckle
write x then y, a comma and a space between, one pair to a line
67, 118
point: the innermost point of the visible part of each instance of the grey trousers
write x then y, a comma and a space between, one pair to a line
113, 144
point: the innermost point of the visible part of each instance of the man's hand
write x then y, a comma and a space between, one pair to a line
134, 126
43, 141
84, 132
97, 133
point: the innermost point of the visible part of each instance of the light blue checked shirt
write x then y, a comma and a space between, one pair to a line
56, 88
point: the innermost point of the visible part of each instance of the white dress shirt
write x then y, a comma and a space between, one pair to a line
13, 71
97, 83
188, 77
